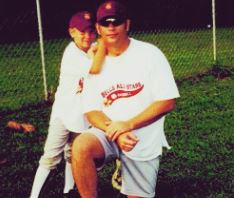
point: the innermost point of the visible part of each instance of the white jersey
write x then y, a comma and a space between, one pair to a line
74, 69
127, 85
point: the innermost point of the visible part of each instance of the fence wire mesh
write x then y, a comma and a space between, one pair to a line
189, 51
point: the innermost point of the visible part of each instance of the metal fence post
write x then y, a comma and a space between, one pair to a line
42, 49
214, 30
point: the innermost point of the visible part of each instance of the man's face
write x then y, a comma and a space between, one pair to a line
82, 39
113, 32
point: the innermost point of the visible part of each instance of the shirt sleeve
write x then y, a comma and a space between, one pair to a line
91, 100
70, 60
163, 85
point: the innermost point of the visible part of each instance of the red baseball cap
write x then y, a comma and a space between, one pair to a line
111, 9
83, 21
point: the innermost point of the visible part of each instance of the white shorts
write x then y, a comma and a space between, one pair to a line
138, 177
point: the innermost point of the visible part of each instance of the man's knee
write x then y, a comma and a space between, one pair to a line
81, 144
87, 145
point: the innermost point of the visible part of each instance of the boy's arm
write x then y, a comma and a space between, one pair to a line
98, 57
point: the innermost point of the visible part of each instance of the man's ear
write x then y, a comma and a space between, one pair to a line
98, 28
128, 22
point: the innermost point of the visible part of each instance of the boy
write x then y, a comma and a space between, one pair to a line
66, 119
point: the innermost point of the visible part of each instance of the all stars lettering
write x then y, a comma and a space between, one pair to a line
121, 91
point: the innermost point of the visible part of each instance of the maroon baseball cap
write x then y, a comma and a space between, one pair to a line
83, 21
111, 9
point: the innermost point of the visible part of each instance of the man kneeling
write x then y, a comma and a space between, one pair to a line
126, 105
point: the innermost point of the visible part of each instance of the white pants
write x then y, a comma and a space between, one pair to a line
59, 139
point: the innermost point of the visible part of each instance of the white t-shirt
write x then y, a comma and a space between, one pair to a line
67, 106
127, 85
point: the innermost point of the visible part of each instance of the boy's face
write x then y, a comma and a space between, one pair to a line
82, 39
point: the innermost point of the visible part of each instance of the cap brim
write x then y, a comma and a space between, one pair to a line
112, 17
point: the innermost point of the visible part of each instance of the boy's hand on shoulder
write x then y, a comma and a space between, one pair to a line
92, 51
97, 52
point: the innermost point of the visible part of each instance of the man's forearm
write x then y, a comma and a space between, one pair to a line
98, 119
152, 113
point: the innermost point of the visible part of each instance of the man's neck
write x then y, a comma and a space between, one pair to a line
118, 49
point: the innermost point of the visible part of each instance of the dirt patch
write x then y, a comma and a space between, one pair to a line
221, 72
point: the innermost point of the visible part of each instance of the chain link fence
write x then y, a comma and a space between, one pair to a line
189, 50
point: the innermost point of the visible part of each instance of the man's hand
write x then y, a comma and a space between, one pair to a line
116, 128
127, 141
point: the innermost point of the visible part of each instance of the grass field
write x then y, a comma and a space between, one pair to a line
200, 131
21, 81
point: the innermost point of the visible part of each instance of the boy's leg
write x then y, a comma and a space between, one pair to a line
69, 180
54, 146
39, 180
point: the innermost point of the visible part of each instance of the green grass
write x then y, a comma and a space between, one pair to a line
202, 135
21, 81
21, 72
188, 52
200, 131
